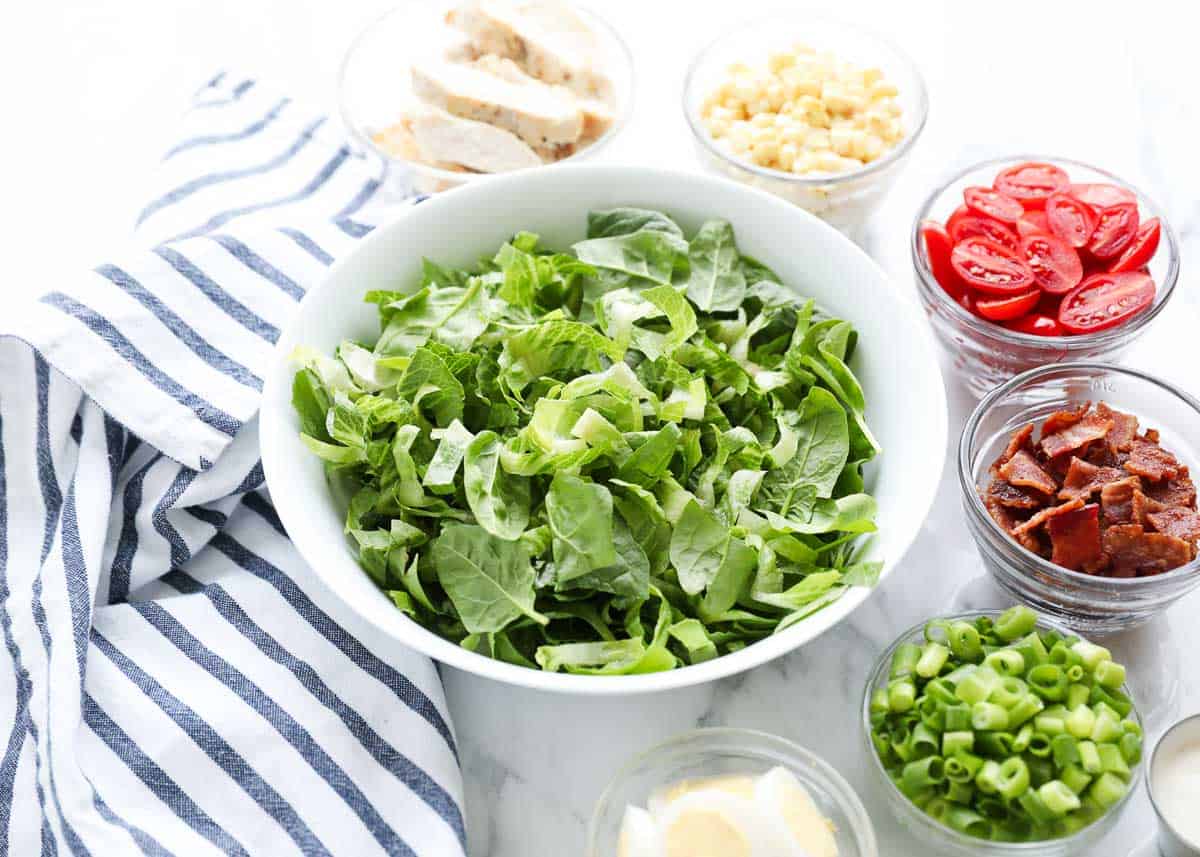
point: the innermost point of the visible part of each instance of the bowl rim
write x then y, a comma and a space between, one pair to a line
982, 327
961, 840
892, 156
750, 744
359, 136
971, 496
274, 423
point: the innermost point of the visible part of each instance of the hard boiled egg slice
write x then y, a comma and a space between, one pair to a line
639, 835
780, 794
713, 823
739, 785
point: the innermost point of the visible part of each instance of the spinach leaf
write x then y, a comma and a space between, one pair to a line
717, 283
489, 580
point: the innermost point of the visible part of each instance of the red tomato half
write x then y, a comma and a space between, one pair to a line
991, 268
937, 251
1141, 250
1055, 266
1032, 223
1036, 324
963, 225
1031, 183
1105, 300
1006, 309
993, 204
1116, 227
1101, 195
1069, 219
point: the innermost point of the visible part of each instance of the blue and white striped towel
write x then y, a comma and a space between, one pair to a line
177, 681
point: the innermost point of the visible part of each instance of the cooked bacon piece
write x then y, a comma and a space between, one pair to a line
1016, 498
1075, 537
1060, 420
1142, 507
1023, 470
1180, 523
1116, 501
1009, 521
1084, 479
1124, 430
1091, 428
1021, 439
1137, 553
1179, 492
1152, 461
1045, 515
1151, 435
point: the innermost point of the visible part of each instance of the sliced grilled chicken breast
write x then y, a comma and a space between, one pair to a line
441, 136
538, 115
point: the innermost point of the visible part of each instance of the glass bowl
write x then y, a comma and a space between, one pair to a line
844, 200
943, 839
1088, 602
373, 86
714, 752
984, 354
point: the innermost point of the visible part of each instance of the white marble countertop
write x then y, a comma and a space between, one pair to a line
1103, 89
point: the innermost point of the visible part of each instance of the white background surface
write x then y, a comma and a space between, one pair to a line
90, 92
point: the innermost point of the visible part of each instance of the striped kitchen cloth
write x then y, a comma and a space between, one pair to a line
177, 682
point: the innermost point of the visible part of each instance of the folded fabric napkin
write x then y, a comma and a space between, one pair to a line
180, 682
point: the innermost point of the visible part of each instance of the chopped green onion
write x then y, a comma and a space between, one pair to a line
933, 658
1112, 761
922, 773
957, 742
1015, 622
1107, 790
1076, 778
904, 661
1058, 797
1014, 777
1007, 662
989, 716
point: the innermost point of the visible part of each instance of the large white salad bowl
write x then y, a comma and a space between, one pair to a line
895, 361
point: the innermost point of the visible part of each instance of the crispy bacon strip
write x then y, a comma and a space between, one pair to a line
1136, 553
1124, 430
1116, 500
1179, 492
1023, 470
1142, 507
1084, 479
1021, 439
1091, 428
1060, 420
1152, 461
1045, 515
1180, 523
1014, 497
1075, 538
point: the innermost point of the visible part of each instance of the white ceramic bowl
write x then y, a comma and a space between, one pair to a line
895, 360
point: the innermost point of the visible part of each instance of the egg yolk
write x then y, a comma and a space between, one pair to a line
705, 833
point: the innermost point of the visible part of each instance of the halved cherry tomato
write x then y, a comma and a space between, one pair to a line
990, 267
1031, 183
1141, 250
1006, 309
1037, 324
962, 225
1033, 223
991, 203
1069, 219
937, 251
1116, 227
1105, 300
1055, 266
1101, 195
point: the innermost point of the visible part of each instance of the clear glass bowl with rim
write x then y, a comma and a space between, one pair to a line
1090, 603
983, 354
946, 840
844, 200
373, 87
707, 753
